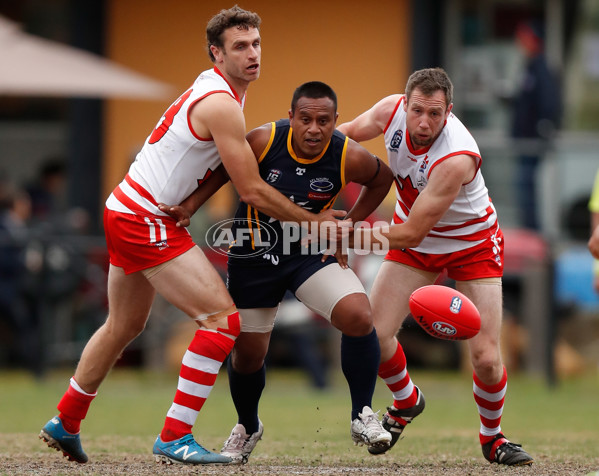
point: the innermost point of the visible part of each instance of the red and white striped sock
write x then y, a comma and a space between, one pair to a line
201, 363
395, 374
489, 400
73, 406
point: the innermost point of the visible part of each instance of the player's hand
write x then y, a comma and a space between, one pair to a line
329, 224
330, 214
177, 212
340, 245
340, 254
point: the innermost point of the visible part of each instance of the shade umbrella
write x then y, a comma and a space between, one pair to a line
34, 66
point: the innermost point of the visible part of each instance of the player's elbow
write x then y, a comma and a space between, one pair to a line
344, 128
252, 195
386, 176
249, 197
406, 238
413, 241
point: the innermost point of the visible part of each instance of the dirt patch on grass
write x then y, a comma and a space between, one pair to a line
23, 454
52, 464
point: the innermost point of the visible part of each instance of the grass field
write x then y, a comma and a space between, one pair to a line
306, 430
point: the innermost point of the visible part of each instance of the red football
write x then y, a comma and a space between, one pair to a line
445, 313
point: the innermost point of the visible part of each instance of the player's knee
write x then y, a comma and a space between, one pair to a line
248, 355
357, 322
247, 363
125, 332
487, 365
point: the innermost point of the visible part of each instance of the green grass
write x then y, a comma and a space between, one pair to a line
306, 426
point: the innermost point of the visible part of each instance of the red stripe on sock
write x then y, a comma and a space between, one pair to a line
197, 376
407, 402
490, 405
394, 365
494, 406
394, 387
494, 388
189, 401
208, 344
174, 429
490, 423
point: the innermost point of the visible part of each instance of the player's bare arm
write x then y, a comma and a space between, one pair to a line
257, 138
372, 173
371, 123
443, 186
220, 117
376, 178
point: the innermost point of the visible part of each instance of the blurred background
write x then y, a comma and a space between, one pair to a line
82, 84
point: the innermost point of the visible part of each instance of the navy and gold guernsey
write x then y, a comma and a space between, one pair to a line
263, 262
310, 183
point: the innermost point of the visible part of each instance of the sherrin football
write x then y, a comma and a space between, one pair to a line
444, 312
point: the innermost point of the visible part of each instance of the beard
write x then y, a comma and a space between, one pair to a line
422, 142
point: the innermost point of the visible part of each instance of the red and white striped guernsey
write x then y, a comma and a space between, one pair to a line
471, 217
173, 161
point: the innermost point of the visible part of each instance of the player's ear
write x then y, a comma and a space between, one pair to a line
290, 115
448, 110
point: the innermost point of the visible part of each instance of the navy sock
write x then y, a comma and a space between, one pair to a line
246, 390
360, 363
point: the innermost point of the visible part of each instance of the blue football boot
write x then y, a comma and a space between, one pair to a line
187, 451
57, 437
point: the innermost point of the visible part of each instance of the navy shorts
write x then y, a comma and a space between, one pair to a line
262, 282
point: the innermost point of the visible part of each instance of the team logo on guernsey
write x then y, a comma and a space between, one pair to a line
396, 140
273, 175
424, 164
321, 185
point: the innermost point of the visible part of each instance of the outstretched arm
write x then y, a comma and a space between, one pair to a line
443, 186
373, 174
375, 177
372, 123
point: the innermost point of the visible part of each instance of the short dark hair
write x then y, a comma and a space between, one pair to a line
313, 90
428, 81
233, 17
